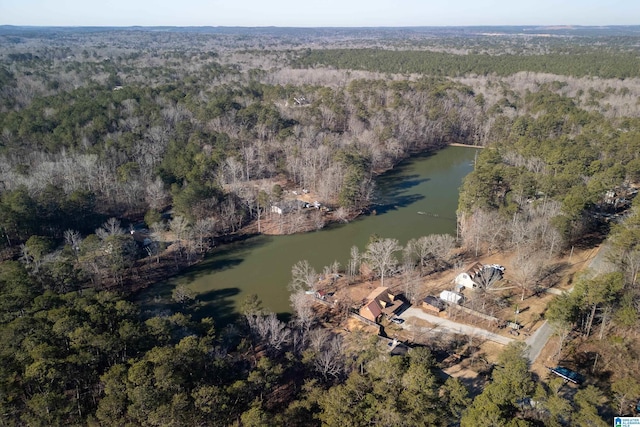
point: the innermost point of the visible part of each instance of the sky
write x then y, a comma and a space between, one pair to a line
318, 13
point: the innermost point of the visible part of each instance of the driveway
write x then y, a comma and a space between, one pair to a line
540, 337
446, 325
538, 340
535, 342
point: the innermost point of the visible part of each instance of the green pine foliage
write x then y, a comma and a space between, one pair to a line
578, 64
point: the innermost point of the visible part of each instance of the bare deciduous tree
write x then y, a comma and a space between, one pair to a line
412, 285
156, 195
318, 220
354, 262
202, 231
318, 338
182, 295
270, 330
432, 251
341, 214
110, 228
303, 277
180, 226
562, 330
331, 269
380, 256
329, 361
526, 270
73, 239
181, 230
483, 229
156, 246
302, 305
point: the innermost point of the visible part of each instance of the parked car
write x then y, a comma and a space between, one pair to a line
397, 320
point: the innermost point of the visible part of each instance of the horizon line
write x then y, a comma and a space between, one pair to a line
547, 26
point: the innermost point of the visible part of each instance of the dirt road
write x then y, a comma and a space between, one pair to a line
450, 326
538, 340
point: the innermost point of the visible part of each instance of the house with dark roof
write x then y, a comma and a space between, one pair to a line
380, 302
434, 304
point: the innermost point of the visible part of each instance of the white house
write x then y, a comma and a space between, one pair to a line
465, 279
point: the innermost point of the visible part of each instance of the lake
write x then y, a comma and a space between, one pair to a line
417, 198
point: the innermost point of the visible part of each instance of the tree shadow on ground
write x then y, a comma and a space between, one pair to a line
219, 304
593, 237
551, 274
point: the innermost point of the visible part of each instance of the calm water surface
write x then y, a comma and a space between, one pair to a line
262, 264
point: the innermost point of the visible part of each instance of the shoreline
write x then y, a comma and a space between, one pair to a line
329, 218
270, 225
459, 144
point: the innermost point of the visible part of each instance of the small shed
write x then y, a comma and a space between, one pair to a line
463, 280
434, 304
288, 206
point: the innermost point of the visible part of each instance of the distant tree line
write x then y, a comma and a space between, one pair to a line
602, 64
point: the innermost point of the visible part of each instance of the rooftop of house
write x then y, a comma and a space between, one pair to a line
374, 307
381, 301
381, 293
473, 268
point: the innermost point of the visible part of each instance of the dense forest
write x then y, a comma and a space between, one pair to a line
196, 133
601, 64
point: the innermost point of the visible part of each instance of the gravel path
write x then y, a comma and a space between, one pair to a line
450, 326
540, 337
538, 340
